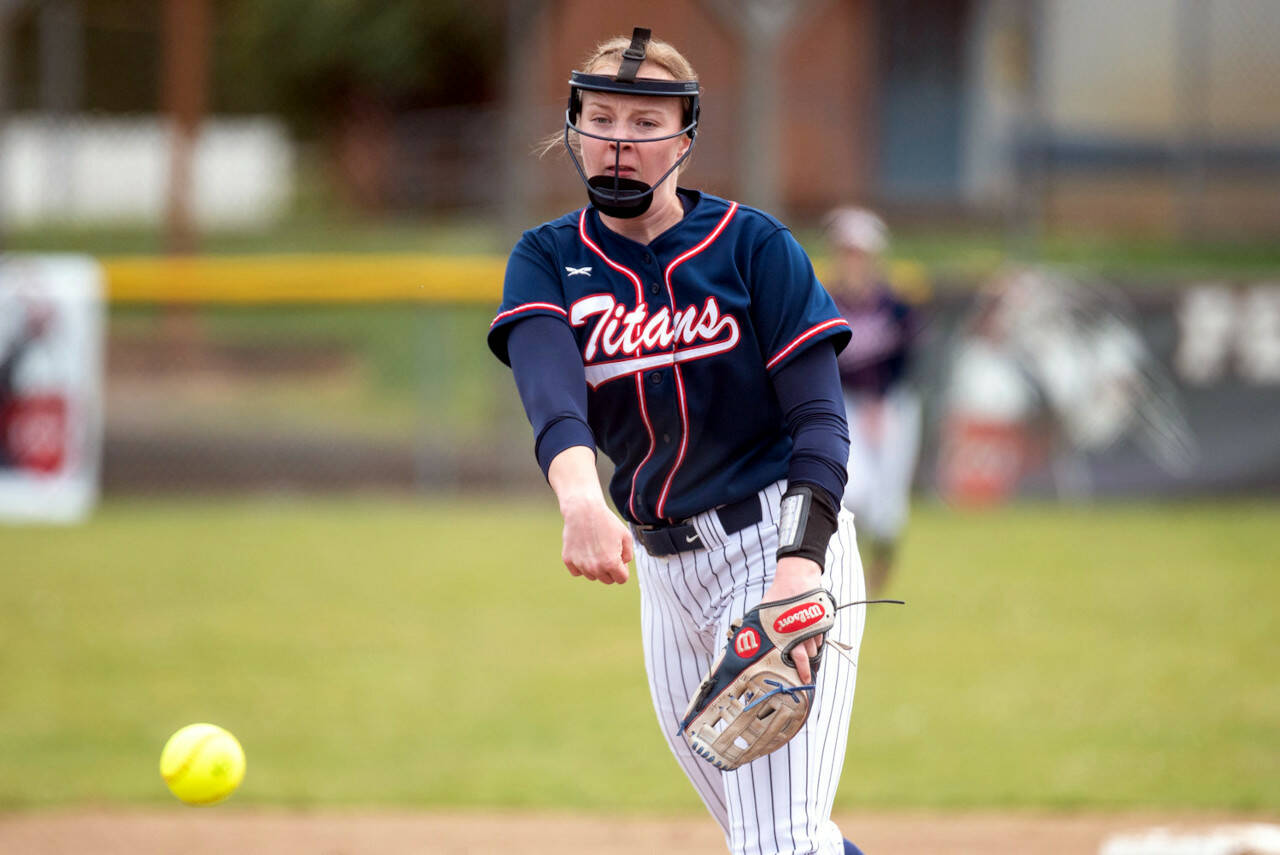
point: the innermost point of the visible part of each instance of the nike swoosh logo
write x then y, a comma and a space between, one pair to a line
692, 539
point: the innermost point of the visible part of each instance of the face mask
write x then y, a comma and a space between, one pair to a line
614, 195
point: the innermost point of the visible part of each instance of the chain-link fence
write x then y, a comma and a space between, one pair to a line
382, 395
1091, 387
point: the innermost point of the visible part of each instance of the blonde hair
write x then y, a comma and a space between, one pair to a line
660, 53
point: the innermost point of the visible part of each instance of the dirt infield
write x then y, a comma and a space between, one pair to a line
192, 831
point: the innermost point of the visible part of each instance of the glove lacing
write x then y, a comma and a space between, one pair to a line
846, 650
790, 691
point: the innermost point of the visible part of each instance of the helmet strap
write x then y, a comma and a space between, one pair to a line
633, 56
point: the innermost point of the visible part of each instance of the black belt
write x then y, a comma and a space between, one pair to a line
683, 537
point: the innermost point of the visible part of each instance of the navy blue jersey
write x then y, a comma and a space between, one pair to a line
883, 329
678, 341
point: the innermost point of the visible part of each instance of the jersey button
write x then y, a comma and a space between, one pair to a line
648, 258
654, 289
655, 377
666, 437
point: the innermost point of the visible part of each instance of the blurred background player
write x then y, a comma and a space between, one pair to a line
882, 408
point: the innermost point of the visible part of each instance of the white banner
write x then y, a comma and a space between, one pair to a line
51, 380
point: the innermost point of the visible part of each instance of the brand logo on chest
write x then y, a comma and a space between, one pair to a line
623, 341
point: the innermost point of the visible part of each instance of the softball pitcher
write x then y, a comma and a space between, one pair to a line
687, 337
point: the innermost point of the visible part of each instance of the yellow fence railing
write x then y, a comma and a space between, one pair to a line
335, 278
344, 278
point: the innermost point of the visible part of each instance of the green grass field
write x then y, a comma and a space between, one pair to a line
376, 651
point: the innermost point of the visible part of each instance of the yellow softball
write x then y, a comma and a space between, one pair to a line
202, 764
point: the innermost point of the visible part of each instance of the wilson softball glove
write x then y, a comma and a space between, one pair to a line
752, 701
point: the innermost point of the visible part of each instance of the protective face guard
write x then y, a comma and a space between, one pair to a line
613, 195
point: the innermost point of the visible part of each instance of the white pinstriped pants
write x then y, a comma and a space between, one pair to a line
779, 803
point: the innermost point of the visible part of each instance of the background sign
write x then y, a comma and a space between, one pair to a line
1047, 385
51, 346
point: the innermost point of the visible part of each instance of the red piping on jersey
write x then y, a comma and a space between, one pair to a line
684, 413
630, 274
528, 307
644, 414
653, 443
802, 338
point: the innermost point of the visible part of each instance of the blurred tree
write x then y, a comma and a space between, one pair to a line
344, 71
296, 57
308, 59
